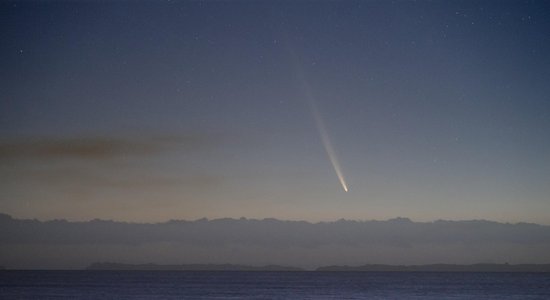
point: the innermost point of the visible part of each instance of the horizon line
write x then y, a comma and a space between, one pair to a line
238, 267
206, 219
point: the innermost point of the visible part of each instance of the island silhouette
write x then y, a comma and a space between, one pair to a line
480, 267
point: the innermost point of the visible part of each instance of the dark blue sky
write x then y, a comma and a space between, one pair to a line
150, 111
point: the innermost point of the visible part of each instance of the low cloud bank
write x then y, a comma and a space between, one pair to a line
268, 241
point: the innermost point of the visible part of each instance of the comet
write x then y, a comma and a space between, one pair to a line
325, 138
319, 122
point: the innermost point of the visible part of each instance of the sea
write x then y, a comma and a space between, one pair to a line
270, 285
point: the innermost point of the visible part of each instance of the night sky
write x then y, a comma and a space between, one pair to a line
152, 111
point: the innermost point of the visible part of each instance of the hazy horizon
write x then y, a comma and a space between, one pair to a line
268, 218
62, 244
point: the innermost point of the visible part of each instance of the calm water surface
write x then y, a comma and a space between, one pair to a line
270, 285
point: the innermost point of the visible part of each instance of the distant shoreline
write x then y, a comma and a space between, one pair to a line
481, 267
188, 267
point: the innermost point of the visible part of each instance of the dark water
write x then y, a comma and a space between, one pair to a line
270, 285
